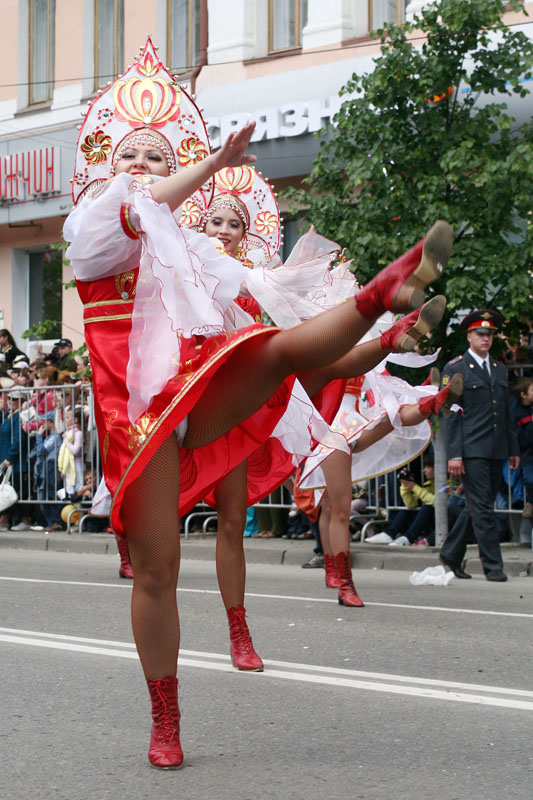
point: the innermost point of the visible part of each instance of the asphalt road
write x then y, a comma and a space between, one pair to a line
425, 693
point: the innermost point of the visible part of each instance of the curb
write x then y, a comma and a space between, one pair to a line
518, 560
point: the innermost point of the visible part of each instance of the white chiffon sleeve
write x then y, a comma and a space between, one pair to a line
98, 245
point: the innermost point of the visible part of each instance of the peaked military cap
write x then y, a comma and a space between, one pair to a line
482, 320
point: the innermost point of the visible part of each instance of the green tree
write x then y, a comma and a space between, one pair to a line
421, 137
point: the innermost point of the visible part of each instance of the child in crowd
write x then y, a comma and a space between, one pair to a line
71, 455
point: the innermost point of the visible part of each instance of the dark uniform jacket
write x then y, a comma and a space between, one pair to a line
486, 428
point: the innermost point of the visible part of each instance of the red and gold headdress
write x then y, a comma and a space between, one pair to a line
247, 193
148, 102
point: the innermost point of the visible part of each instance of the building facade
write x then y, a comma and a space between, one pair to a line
279, 62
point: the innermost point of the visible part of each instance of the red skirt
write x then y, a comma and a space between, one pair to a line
126, 448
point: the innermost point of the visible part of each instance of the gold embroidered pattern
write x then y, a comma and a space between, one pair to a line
125, 283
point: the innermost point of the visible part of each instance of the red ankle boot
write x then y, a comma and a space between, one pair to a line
125, 570
243, 655
403, 336
165, 749
444, 399
347, 592
332, 579
400, 286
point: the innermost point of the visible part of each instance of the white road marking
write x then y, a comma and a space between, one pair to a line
285, 597
309, 673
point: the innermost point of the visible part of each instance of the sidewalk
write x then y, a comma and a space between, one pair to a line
518, 560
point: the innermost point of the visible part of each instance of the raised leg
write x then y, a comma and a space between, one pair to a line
258, 369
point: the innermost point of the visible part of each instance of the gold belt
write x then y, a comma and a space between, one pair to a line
101, 305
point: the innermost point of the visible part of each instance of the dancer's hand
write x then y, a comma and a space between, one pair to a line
233, 151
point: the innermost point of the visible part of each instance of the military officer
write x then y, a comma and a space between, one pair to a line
478, 440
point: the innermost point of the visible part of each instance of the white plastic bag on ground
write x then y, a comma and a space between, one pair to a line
431, 576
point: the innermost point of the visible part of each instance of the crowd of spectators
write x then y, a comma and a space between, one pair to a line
45, 436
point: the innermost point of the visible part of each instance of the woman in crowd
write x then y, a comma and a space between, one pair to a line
8, 347
154, 299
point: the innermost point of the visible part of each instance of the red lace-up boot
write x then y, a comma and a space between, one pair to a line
444, 399
243, 655
332, 579
165, 749
125, 570
403, 336
347, 592
400, 286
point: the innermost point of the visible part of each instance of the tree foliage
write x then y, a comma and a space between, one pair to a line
422, 137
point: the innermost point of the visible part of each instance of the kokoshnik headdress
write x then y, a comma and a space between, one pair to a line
146, 99
251, 197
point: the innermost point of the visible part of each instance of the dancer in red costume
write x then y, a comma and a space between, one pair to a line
154, 300
244, 218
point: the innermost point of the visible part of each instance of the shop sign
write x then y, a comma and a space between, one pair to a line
277, 122
31, 175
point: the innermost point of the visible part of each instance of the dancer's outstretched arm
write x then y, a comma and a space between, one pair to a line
175, 189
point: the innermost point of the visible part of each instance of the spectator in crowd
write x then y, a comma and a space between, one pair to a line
46, 473
71, 453
8, 348
21, 374
479, 439
14, 453
84, 497
522, 413
417, 520
59, 409
6, 382
43, 398
62, 353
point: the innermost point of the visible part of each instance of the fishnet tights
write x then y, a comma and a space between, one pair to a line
254, 372
150, 517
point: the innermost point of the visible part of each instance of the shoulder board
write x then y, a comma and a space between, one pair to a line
455, 360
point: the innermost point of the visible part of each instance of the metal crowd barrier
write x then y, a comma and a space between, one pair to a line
34, 483
383, 496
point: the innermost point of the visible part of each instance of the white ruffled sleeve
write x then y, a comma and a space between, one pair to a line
99, 247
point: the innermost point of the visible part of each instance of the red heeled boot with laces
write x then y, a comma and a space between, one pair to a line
400, 286
332, 579
125, 570
403, 336
243, 655
165, 749
444, 399
347, 592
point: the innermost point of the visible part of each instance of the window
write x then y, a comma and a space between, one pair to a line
108, 40
382, 11
183, 34
46, 271
287, 18
41, 51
